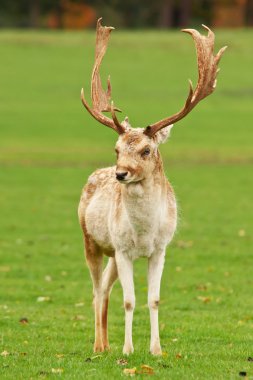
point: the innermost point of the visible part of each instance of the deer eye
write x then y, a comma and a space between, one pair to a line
145, 152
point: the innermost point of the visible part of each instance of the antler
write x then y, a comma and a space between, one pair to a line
207, 69
100, 98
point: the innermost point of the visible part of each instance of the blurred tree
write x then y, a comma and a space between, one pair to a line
35, 13
185, 12
21, 13
127, 13
229, 13
165, 19
202, 12
249, 12
174, 13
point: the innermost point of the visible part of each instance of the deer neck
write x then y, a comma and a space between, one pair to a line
141, 199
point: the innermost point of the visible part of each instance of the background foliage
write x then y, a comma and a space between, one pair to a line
126, 14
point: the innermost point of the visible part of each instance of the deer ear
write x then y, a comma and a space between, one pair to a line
163, 134
126, 123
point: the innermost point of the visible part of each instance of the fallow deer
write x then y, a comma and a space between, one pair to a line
129, 210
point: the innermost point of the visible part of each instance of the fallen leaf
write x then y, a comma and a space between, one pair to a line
78, 318
59, 355
241, 232
204, 299
178, 269
146, 369
43, 373
130, 371
48, 278
80, 304
24, 321
95, 357
5, 353
201, 287
43, 299
164, 365
184, 244
122, 362
5, 268
174, 340
179, 356
63, 273
57, 370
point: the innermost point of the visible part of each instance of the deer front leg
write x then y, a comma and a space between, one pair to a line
125, 272
155, 270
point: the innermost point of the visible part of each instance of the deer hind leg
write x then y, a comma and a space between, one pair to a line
155, 270
110, 275
94, 258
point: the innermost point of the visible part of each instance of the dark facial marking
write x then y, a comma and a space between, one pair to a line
145, 152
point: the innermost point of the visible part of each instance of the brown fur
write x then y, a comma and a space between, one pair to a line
128, 306
131, 138
155, 304
104, 323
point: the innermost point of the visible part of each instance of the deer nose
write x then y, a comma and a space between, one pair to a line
121, 175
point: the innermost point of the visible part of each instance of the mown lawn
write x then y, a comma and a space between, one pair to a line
48, 147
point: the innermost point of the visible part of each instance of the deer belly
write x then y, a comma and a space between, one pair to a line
96, 220
135, 246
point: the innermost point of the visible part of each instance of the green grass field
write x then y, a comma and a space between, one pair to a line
48, 147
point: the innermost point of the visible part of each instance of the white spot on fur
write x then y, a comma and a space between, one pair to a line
92, 180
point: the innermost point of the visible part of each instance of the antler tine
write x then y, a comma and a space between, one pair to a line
101, 98
207, 73
120, 127
96, 114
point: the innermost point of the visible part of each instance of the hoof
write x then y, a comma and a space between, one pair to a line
98, 347
107, 347
157, 351
128, 349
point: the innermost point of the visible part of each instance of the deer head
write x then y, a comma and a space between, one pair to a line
136, 148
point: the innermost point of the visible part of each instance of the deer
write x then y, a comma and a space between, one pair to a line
129, 210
